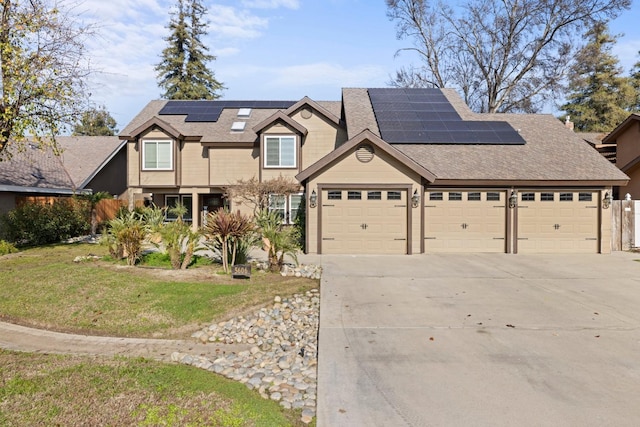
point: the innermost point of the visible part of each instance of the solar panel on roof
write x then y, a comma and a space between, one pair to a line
209, 111
424, 115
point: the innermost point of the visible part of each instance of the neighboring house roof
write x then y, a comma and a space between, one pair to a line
629, 121
608, 151
37, 170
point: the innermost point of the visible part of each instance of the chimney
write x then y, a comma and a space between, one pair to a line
568, 123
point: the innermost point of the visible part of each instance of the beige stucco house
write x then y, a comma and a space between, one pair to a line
399, 171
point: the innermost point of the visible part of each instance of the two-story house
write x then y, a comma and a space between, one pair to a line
384, 171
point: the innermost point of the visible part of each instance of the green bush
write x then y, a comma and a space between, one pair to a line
7, 248
39, 224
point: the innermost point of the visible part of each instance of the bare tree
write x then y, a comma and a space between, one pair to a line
502, 55
256, 193
43, 70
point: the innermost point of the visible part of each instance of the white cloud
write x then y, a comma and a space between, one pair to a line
271, 4
230, 22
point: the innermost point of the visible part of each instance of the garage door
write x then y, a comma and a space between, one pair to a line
465, 221
557, 222
364, 222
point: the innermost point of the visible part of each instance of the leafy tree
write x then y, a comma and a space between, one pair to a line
43, 70
183, 72
95, 122
503, 56
600, 96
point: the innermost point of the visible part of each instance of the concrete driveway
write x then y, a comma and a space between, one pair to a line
480, 340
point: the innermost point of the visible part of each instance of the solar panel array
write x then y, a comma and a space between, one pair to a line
425, 116
209, 111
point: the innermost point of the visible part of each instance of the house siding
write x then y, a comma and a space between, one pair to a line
228, 165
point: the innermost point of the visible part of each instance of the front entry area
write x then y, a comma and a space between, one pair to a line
357, 221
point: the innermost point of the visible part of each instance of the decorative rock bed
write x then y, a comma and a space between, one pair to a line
282, 363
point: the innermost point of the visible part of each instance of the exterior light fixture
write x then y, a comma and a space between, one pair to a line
513, 199
606, 201
415, 199
313, 200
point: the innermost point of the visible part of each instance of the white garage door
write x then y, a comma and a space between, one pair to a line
465, 221
557, 222
364, 222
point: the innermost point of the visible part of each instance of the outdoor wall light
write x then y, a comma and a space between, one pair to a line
513, 199
313, 199
606, 201
415, 199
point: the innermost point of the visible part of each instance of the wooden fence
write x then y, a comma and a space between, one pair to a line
106, 209
623, 218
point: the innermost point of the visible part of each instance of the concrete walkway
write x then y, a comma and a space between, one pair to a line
21, 338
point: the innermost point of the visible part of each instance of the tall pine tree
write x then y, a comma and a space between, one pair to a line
600, 97
635, 82
183, 72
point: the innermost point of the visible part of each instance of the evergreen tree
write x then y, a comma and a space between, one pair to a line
600, 97
183, 72
95, 122
635, 82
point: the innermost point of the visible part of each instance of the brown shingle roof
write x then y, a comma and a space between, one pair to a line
551, 152
37, 168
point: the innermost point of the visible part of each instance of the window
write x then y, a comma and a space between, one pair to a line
585, 197
546, 197
280, 151
473, 196
566, 197
354, 195
455, 196
171, 201
394, 195
374, 195
278, 204
528, 197
334, 195
288, 208
493, 197
435, 196
157, 155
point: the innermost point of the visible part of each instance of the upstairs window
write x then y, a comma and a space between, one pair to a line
280, 151
157, 155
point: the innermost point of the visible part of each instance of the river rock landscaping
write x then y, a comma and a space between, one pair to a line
282, 361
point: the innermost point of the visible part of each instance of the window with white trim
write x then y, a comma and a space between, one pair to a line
288, 208
157, 155
279, 151
171, 200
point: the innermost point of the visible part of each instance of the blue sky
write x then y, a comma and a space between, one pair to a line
266, 49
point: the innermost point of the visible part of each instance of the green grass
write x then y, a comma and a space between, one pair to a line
43, 287
67, 390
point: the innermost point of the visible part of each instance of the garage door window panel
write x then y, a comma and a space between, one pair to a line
547, 197
493, 197
436, 196
474, 197
394, 195
528, 197
334, 195
455, 196
354, 195
566, 197
585, 197
374, 195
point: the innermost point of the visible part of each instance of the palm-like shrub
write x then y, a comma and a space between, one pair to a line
124, 236
279, 240
227, 230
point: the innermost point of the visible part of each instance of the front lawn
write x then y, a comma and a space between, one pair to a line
52, 390
44, 287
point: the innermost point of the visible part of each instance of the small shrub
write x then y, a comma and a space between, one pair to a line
225, 230
7, 248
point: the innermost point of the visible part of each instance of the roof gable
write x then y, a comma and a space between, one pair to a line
621, 128
308, 102
370, 137
151, 123
283, 118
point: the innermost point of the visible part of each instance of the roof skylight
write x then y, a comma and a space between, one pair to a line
238, 126
244, 112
